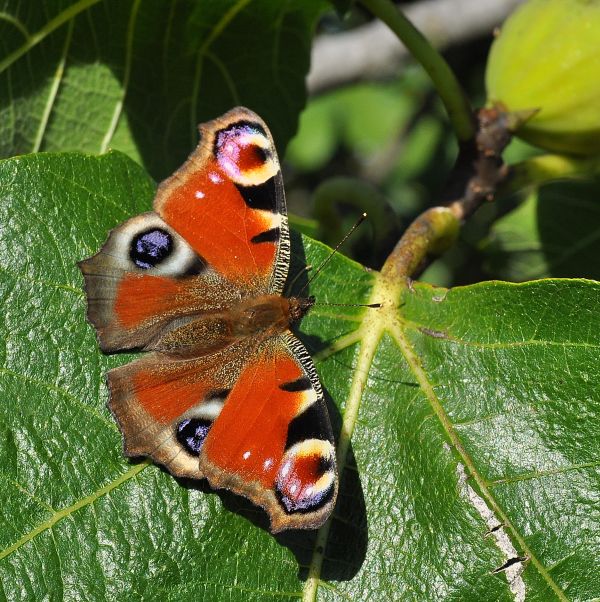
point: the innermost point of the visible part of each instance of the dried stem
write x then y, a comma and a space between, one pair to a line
478, 171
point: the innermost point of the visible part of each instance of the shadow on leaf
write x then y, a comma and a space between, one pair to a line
347, 542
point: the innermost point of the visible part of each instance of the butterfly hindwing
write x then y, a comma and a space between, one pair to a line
272, 441
166, 406
251, 418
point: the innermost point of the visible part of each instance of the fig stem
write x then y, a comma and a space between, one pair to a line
478, 172
451, 92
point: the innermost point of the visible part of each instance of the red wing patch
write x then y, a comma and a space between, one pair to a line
227, 201
208, 203
165, 406
250, 435
170, 392
140, 298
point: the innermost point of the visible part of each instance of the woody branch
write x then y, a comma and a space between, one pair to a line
478, 171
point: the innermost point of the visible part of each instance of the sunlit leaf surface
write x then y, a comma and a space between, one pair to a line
472, 471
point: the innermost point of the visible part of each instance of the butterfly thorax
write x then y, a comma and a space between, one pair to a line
268, 314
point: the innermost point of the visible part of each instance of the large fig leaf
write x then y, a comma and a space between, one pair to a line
139, 76
554, 231
467, 423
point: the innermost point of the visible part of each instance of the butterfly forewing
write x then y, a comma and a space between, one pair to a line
228, 202
225, 390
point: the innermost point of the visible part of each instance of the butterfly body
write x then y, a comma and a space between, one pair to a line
225, 390
258, 317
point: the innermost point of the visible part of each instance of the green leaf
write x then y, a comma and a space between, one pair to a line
553, 232
139, 76
467, 420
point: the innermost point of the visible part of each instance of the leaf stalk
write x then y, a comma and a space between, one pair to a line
451, 92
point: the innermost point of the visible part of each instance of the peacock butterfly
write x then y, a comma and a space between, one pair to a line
225, 391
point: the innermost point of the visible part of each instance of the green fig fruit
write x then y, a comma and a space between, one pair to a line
547, 58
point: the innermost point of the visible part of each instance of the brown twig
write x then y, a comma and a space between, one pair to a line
478, 171
485, 167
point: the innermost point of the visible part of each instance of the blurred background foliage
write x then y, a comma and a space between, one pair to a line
386, 148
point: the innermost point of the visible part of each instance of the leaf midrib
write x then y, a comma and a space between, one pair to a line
374, 325
427, 388
369, 334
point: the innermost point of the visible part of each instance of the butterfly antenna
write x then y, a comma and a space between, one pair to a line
372, 305
289, 287
359, 221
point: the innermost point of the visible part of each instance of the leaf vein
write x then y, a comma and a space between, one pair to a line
58, 76
370, 334
542, 473
215, 32
53, 24
4, 16
126, 76
28, 493
421, 375
86, 501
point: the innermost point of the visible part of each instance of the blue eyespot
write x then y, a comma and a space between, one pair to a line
151, 247
191, 433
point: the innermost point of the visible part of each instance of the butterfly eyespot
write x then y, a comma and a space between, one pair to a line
244, 152
306, 478
191, 433
150, 247
260, 154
